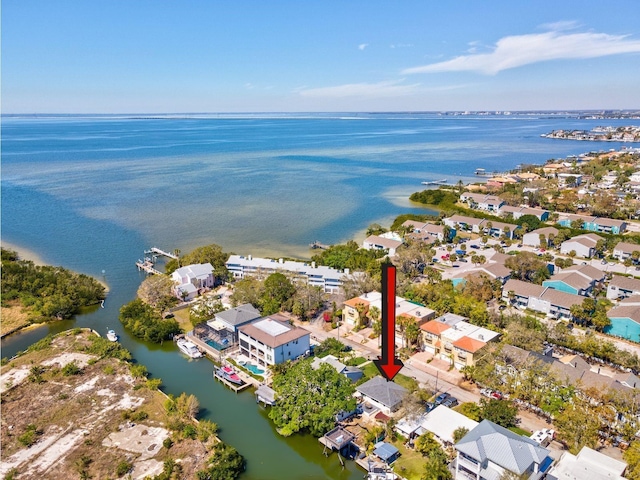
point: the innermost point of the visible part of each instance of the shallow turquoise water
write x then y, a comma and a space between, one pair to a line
92, 193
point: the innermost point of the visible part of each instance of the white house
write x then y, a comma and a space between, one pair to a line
588, 464
583, 245
532, 238
624, 250
327, 278
481, 201
622, 287
375, 242
190, 279
271, 341
492, 451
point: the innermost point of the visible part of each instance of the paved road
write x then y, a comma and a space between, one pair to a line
412, 369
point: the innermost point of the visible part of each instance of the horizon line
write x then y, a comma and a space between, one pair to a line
368, 112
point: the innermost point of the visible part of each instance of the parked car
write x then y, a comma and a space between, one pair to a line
496, 395
430, 406
475, 246
486, 392
441, 398
450, 402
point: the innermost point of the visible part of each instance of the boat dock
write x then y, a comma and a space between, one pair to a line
158, 251
444, 181
232, 386
147, 266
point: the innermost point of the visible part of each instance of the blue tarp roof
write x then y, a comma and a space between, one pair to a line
385, 451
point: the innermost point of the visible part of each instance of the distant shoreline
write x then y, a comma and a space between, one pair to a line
24, 253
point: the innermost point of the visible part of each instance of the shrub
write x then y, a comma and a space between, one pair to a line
123, 468
30, 436
71, 368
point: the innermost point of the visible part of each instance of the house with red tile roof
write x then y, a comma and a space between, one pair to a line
459, 342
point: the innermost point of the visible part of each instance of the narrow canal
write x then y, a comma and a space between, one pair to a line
243, 423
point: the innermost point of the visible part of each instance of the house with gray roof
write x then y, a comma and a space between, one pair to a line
490, 451
352, 373
543, 299
622, 287
190, 279
583, 245
579, 280
533, 238
236, 317
386, 396
624, 250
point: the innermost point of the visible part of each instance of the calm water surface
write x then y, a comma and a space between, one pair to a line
91, 193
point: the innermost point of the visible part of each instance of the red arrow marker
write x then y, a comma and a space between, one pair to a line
388, 364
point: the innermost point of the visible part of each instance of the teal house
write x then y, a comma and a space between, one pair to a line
625, 321
594, 224
578, 280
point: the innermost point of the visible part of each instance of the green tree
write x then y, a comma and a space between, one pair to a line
502, 412
247, 290
156, 290
577, 427
426, 443
145, 322
212, 254
459, 433
225, 463
632, 456
532, 222
528, 267
471, 410
277, 290
436, 466
309, 399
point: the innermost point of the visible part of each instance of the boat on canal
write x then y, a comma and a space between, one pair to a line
188, 348
230, 375
112, 336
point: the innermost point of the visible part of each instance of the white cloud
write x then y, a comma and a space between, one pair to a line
362, 46
561, 25
380, 89
518, 50
401, 45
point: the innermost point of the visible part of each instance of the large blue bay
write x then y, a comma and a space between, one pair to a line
91, 193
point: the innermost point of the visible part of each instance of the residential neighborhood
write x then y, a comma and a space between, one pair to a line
514, 320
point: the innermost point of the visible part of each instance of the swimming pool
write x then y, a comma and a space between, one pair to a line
216, 345
253, 369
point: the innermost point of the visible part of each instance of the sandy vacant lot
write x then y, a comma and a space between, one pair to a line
84, 421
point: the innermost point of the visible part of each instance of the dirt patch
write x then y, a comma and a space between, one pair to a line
13, 378
140, 439
81, 359
83, 423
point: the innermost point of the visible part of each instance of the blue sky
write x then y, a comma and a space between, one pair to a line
99, 56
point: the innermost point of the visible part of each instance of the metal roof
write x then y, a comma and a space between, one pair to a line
509, 450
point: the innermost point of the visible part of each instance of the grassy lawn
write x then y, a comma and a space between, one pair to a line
520, 431
182, 317
410, 464
370, 370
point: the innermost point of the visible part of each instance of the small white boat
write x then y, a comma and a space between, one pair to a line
112, 336
188, 348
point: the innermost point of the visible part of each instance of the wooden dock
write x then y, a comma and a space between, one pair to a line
158, 251
232, 386
147, 266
